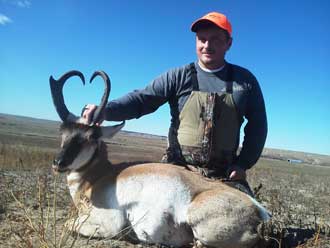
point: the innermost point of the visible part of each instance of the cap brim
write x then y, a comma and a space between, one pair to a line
194, 26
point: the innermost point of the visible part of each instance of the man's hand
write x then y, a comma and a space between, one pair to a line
88, 112
237, 173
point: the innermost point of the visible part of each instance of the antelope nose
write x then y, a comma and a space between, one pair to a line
57, 162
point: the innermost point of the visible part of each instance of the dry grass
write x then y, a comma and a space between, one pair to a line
34, 208
23, 157
297, 196
42, 227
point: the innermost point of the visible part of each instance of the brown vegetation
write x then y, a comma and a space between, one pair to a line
35, 204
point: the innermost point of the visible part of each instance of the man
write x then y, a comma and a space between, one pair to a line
208, 100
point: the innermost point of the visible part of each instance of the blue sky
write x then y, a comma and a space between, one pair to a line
284, 43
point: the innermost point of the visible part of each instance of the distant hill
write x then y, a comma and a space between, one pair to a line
295, 157
11, 125
28, 125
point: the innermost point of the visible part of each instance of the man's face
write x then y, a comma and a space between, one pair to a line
211, 46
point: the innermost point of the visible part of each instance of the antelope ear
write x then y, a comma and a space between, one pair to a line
110, 131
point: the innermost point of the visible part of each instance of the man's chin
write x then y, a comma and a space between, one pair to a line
208, 64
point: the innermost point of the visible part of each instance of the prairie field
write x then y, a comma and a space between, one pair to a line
35, 204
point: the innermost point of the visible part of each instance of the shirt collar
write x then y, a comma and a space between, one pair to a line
211, 71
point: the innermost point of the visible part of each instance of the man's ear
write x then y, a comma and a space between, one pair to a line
229, 43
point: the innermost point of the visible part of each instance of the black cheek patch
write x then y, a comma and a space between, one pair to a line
69, 152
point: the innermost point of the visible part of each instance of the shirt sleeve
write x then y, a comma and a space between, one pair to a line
255, 131
142, 102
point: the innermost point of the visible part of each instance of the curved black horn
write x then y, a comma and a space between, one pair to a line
97, 114
56, 87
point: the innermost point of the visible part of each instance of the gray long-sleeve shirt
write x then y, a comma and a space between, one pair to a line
175, 87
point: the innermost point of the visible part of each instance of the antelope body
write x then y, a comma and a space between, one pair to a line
154, 202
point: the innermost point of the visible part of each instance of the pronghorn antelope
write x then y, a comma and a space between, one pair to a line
158, 203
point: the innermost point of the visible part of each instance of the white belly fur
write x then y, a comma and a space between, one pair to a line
156, 207
159, 207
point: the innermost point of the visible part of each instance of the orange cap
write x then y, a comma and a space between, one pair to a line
216, 18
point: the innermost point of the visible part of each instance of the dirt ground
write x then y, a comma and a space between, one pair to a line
298, 199
35, 205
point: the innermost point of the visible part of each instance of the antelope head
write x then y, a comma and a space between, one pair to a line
80, 140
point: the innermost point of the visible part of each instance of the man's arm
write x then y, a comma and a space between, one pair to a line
255, 131
138, 102
142, 102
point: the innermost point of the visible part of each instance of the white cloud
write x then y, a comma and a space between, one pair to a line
23, 4
4, 19
18, 3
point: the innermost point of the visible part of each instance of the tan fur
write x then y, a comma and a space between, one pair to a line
161, 203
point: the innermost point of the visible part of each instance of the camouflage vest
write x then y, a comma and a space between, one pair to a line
208, 129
